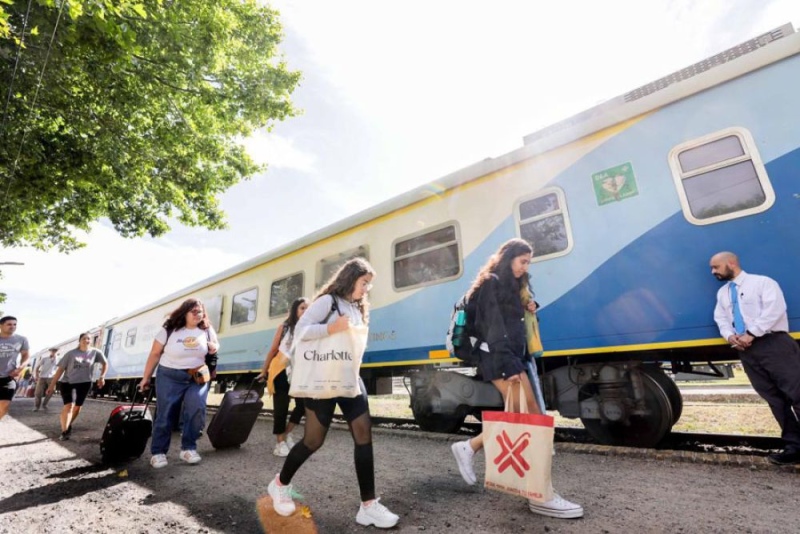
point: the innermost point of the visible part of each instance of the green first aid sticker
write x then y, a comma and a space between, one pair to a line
616, 183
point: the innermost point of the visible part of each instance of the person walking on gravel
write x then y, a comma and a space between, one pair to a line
276, 371
11, 346
500, 315
42, 374
76, 366
179, 347
341, 302
751, 316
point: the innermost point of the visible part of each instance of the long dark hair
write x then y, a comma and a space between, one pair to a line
343, 283
291, 321
177, 319
499, 264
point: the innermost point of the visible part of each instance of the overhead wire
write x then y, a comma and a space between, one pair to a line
16, 66
33, 103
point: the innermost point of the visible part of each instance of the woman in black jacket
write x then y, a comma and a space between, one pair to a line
500, 321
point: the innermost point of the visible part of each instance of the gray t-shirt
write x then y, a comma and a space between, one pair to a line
77, 365
10, 347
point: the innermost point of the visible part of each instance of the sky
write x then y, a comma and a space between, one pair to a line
394, 95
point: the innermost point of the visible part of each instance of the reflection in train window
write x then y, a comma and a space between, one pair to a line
130, 337
720, 176
543, 222
429, 257
243, 309
283, 293
327, 267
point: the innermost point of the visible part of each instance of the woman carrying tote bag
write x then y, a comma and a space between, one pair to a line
340, 306
504, 353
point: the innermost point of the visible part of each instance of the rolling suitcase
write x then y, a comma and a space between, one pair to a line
127, 431
231, 425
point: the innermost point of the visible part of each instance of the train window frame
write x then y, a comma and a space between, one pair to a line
457, 241
563, 211
233, 303
116, 341
282, 313
130, 337
350, 253
750, 153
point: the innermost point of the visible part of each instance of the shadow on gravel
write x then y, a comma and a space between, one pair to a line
82, 470
23, 443
60, 491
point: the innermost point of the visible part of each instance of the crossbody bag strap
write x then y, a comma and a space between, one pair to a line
334, 308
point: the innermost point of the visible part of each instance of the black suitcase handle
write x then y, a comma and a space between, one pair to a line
146, 402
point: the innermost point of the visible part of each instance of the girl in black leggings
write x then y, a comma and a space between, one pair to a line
340, 303
276, 372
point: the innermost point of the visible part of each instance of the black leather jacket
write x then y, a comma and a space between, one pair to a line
500, 318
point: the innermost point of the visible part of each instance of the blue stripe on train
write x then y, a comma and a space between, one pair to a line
659, 288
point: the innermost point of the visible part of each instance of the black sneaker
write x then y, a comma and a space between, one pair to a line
69, 430
63, 437
785, 458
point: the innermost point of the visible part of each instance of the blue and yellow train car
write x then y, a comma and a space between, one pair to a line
624, 205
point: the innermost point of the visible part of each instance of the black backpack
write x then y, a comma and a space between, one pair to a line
462, 336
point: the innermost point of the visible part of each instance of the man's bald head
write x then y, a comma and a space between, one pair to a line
725, 266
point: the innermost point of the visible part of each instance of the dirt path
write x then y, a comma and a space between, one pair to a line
52, 486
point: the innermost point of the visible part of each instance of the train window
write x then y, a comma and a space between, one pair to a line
427, 257
720, 176
283, 292
130, 337
327, 267
543, 221
116, 341
243, 310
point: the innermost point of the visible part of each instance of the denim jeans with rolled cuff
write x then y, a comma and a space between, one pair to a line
176, 389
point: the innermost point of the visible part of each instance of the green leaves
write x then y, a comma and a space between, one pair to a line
138, 114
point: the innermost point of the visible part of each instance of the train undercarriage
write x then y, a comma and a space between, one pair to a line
629, 403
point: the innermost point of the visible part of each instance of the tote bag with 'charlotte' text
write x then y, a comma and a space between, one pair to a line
328, 367
519, 452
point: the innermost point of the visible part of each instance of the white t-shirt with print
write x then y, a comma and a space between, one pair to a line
186, 348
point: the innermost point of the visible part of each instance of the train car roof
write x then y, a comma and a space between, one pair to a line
729, 64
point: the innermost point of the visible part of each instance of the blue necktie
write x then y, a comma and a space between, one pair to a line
738, 320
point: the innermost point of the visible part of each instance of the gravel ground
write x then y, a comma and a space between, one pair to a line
52, 486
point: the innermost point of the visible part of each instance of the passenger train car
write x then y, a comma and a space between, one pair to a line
624, 204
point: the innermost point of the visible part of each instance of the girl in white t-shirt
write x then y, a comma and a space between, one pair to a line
275, 371
181, 345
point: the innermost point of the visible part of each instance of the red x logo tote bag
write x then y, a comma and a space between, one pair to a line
519, 452
328, 367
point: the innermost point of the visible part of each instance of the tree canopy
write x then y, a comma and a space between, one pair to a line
132, 111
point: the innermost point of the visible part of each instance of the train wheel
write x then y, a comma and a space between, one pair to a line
639, 430
435, 422
671, 389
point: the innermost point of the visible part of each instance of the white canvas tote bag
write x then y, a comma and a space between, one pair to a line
328, 367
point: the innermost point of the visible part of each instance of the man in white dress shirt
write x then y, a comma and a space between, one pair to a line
751, 316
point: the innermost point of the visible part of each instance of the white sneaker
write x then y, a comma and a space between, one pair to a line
158, 461
464, 457
290, 442
281, 449
281, 497
376, 514
190, 457
557, 507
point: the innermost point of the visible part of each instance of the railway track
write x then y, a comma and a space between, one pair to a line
675, 441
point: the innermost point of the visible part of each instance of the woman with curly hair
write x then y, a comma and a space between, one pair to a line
501, 287
180, 346
341, 302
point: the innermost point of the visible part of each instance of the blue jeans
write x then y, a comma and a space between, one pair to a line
175, 388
